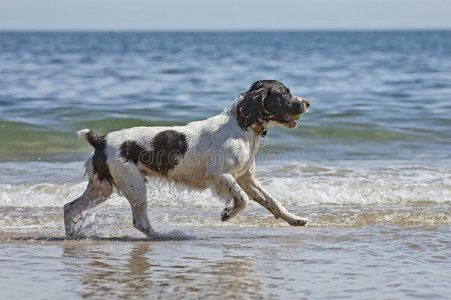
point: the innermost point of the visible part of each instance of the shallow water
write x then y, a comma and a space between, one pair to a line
384, 262
361, 252
369, 166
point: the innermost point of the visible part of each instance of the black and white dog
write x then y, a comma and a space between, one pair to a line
215, 153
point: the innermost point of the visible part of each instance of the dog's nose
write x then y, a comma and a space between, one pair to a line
307, 103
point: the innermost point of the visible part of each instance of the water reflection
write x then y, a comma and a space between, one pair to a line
389, 261
168, 268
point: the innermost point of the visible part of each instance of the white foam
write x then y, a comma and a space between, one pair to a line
317, 185
293, 185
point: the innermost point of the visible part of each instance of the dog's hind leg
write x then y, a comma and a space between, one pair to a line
133, 187
96, 192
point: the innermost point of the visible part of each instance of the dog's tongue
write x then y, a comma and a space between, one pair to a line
290, 120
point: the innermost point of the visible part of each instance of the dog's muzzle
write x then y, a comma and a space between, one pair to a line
300, 107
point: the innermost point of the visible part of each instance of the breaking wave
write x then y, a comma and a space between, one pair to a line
294, 185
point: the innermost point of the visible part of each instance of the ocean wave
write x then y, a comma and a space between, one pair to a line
30, 142
23, 141
364, 132
294, 185
329, 196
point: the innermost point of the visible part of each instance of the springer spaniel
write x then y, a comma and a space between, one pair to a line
216, 153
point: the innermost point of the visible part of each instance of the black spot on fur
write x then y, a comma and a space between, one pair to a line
131, 151
251, 109
167, 147
99, 159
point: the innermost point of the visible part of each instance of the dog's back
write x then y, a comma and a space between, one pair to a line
185, 154
217, 152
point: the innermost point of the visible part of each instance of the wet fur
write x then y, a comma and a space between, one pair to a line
216, 153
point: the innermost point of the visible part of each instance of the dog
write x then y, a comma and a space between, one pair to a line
216, 153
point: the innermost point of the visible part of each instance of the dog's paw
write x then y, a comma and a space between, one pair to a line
75, 236
226, 214
299, 222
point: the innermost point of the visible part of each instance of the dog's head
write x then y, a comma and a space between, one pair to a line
269, 102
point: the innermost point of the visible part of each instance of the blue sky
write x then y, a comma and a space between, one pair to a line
223, 14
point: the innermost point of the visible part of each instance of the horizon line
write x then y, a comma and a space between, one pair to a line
237, 30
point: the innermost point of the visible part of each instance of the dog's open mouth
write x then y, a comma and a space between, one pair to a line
290, 120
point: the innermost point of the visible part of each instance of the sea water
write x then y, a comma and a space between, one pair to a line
369, 165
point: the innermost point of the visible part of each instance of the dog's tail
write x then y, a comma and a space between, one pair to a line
91, 137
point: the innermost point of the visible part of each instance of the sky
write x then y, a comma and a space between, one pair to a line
224, 14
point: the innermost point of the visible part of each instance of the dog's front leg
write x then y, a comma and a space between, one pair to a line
256, 191
230, 188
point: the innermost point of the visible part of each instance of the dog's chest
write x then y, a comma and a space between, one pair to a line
248, 160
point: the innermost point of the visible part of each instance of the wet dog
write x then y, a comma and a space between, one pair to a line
216, 153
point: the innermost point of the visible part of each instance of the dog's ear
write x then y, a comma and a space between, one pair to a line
251, 108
